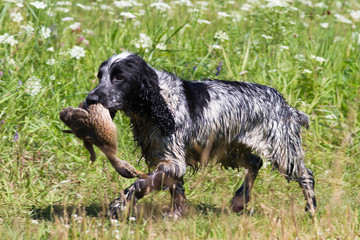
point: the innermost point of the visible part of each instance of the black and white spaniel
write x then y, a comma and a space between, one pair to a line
179, 123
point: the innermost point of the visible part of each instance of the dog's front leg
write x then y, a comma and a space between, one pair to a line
157, 180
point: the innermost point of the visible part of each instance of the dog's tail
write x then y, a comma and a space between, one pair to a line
303, 119
288, 153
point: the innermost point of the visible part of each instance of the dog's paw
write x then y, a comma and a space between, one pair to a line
174, 215
119, 209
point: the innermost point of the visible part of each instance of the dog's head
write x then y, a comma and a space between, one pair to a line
128, 83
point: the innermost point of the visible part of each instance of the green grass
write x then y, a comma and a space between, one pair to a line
48, 188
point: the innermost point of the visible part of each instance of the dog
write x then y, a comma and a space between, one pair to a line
179, 123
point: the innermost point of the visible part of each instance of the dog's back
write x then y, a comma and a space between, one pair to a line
238, 115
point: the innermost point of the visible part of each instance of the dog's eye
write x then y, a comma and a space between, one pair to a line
118, 77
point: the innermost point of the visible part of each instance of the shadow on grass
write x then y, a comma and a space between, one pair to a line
144, 210
51, 212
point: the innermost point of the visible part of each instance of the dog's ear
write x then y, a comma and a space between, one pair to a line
154, 102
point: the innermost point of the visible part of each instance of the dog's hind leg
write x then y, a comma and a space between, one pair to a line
157, 180
252, 164
177, 199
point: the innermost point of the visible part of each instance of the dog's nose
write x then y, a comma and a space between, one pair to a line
92, 99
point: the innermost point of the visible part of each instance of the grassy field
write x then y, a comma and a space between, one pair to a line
49, 55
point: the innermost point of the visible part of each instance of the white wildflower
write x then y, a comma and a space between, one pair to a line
117, 20
105, 7
266, 37
50, 49
203, 21
299, 57
50, 61
222, 36
33, 86
324, 25
141, 12
67, 19
36, 222
356, 36
231, 2
223, 15
115, 222
11, 40
355, 15
19, 4
6, 38
284, 47
203, 4
77, 218
16, 17
52, 78
216, 46
80, 196
162, 7
338, 39
123, 4
236, 16
38, 5
143, 42
62, 9
318, 59
331, 116
28, 29
342, 19
45, 32
161, 46
50, 13
64, 3
184, 2
193, 10
137, 23
320, 5
306, 2
11, 61
132, 219
77, 52
88, 31
246, 7
127, 15
86, 8
273, 70
135, 3
276, 3
307, 71
75, 26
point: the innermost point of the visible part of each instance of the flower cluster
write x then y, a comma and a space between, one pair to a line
6, 38
33, 86
77, 52
38, 5
143, 42
162, 7
221, 36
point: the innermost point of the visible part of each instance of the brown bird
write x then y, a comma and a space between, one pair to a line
93, 125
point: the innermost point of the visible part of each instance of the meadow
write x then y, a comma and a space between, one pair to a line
49, 56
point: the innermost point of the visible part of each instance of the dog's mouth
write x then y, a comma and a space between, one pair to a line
112, 113
112, 110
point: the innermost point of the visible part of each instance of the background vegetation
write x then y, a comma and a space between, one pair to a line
49, 55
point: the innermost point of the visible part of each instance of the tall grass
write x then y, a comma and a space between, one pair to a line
48, 188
